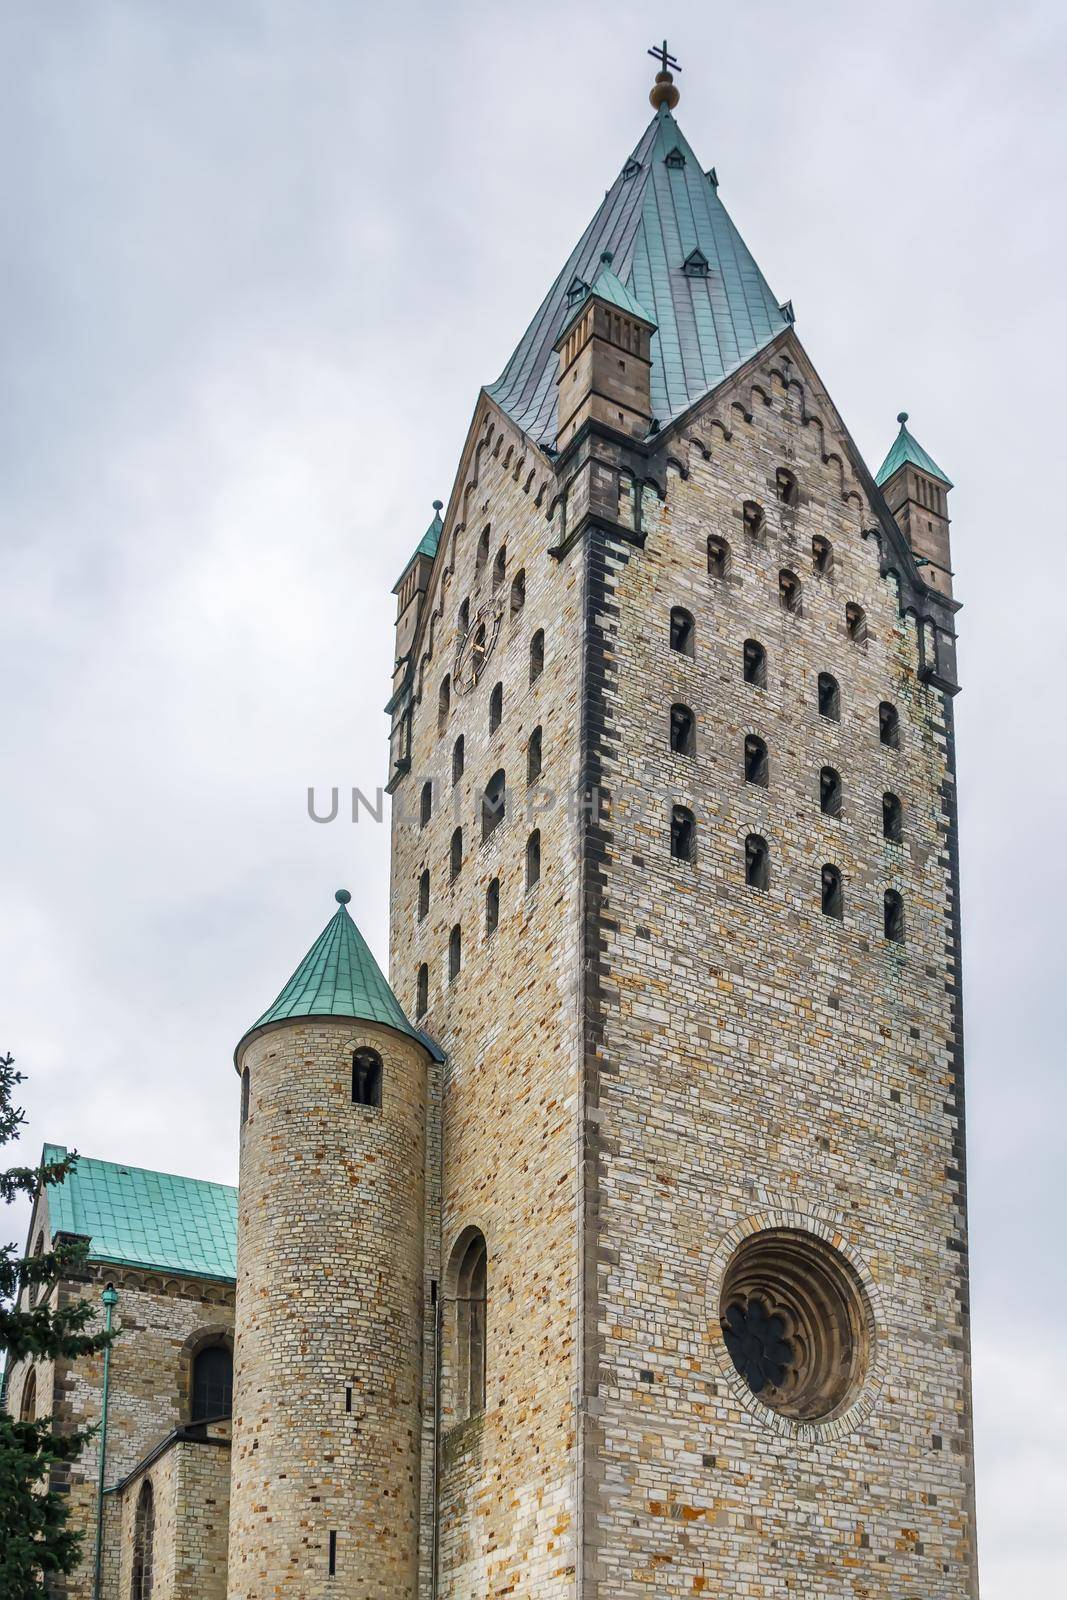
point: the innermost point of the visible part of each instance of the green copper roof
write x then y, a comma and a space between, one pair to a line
907, 449
338, 978
427, 545
146, 1219
606, 286
675, 250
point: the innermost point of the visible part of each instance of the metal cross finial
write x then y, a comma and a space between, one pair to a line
667, 61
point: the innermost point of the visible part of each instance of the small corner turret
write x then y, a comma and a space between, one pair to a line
916, 491
410, 590
605, 360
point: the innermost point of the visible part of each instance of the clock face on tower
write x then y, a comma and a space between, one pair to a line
476, 646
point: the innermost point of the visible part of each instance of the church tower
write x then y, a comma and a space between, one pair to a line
325, 1476
675, 886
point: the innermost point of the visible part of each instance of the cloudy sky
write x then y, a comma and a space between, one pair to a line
256, 261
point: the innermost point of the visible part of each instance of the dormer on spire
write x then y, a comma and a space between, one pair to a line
916, 491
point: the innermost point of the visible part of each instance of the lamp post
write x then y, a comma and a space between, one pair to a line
110, 1299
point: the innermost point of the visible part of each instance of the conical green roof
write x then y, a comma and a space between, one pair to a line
337, 978
427, 545
606, 286
676, 251
905, 449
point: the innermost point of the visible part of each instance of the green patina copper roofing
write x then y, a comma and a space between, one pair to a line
427, 545
905, 449
146, 1219
606, 286
337, 978
660, 209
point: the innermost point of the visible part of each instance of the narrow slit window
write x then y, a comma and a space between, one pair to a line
426, 803
422, 990
789, 592
856, 623
833, 899
482, 555
496, 707
533, 756
424, 893
455, 854
366, 1078
493, 802
757, 862
458, 758
246, 1092
894, 917
683, 731
333, 1553
537, 655
718, 557
463, 618
518, 592
829, 697
892, 818
444, 703
492, 908
889, 725
754, 659
822, 556
455, 953
468, 1281
144, 1531
830, 792
786, 487
533, 860
753, 518
683, 632
500, 566
683, 834
757, 764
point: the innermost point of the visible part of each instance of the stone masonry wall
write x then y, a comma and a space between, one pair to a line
191, 1492
329, 1313
758, 1065
509, 1025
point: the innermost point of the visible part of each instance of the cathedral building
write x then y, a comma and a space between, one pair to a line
615, 1248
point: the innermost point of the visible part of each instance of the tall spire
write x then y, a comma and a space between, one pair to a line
676, 251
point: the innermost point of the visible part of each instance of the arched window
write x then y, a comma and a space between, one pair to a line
683, 731
856, 623
424, 893
533, 756
889, 725
892, 818
444, 702
500, 566
830, 792
455, 953
752, 518
829, 697
894, 917
533, 860
455, 854
683, 632
833, 899
492, 908
366, 1078
212, 1385
468, 1281
422, 990
246, 1095
754, 663
426, 803
789, 592
537, 655
683, 834
463, 617
718, 557
144, 1533
496, 707
494, 801
786, 487
482, 555
757, 765
28, 1401
457, 759
518, 592
757, 862
822, 556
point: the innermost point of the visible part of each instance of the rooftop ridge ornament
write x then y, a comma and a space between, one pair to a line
663, 91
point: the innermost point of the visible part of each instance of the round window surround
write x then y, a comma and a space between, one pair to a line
795, 1318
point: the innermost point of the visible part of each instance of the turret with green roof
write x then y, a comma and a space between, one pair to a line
916, 491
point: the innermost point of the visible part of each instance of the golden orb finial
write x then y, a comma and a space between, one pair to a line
664, 91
